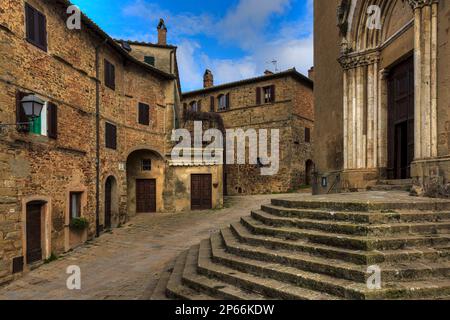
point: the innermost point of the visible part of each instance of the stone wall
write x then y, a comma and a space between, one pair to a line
37, 168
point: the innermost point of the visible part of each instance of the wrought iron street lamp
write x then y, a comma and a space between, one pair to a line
32, 107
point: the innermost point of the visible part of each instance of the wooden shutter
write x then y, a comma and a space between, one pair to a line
307, 135
20, 113
42, 30
110, 136
36, 27
227, 101
212, 104
144, 114
272, 93
258, 96
110, 75
199, 106
52, 120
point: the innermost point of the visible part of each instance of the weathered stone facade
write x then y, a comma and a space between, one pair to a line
47, 172
291, 112
358, 94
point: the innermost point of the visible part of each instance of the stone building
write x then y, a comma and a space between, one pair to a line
98, 153
281, 101
381, 94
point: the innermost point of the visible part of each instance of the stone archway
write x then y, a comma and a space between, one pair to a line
367, 56
145, 181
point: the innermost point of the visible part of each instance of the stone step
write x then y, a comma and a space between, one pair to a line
335, 268
360, 217
209, 286
344, 289
346, 241
265, 286
353, 228
354, 256
390, 187
175, 288
370, 201
159, 292
396, 182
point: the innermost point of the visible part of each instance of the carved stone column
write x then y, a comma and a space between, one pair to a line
361, 110
425, 72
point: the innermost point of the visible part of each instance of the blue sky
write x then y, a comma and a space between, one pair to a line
236, 39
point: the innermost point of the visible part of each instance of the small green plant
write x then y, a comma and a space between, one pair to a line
53, 257
79, 224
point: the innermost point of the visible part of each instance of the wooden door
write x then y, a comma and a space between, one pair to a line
108, 203
401, 120
201, 191
33, 231
145, 195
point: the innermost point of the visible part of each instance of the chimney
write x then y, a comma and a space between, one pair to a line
162, 33
311, 73
208, 79
268, 72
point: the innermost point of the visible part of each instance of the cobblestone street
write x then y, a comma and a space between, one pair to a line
126, 263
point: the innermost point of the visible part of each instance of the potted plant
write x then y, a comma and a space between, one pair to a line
79, 224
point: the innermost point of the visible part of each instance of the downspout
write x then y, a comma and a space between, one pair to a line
97, 138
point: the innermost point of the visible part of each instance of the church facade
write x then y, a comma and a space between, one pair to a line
382, 83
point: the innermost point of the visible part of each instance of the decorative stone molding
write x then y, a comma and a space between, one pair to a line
342, 17
416, 4
358, 60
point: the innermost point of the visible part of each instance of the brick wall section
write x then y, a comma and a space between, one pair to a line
291, 113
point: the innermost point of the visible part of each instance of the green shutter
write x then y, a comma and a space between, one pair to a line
35, 126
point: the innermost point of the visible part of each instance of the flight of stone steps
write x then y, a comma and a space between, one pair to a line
320, 250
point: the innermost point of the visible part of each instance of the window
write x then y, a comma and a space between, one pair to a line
110, 136
110, 75
149, 60
194, 106
224, 102
36, 27
144, 114
146, 165
75, 205
307, 135
269, 94
46, 124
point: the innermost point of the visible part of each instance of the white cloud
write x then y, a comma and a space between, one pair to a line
245, 26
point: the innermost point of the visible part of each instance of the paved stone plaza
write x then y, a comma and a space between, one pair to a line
127, 263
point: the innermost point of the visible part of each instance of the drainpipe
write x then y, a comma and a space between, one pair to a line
97, 138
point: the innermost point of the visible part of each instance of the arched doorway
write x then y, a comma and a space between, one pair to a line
111, 202
145, 181
309, 168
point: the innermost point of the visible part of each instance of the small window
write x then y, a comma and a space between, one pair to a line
149, 60
110, 75
144, 114
146, 165
110, 136
194, 106
222, 102
36, 27
75, 205
307, 135
269, 94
